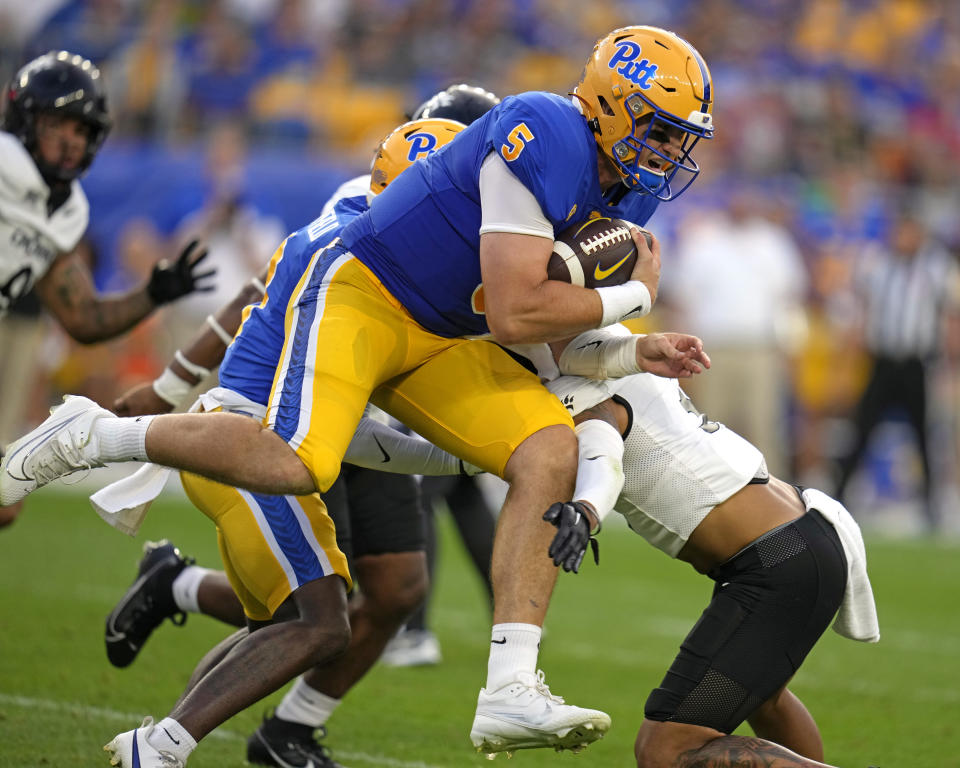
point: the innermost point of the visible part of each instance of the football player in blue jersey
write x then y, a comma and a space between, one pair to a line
456, 248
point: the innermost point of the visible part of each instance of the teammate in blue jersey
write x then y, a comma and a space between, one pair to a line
258, 534
456, 250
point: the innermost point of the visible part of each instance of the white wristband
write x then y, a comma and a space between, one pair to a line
171, 388
597, 354
218, 329
197, 370
257, 283
632, 299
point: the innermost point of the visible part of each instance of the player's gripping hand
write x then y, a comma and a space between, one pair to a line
572, 521
141, 400
671, 355
171, 281
647, 268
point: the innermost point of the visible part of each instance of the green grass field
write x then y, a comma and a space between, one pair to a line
612, 632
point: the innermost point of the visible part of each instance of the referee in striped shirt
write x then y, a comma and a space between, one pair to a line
910, 293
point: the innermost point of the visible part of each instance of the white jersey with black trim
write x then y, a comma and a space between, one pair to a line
30, 237
677, 464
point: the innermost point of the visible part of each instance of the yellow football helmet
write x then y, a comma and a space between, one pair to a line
407, 144
647, 96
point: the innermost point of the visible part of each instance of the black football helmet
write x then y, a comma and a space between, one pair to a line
463, 103
64, 83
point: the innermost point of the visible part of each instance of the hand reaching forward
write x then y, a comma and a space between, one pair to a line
671, 355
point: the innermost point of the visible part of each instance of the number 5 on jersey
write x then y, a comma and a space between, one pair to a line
518, 139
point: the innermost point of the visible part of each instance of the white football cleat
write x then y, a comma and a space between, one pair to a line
132, 750
60, 446
412, 648
525, 715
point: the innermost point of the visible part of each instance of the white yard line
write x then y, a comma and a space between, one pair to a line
130, 719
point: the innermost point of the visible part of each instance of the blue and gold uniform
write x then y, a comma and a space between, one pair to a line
271, 545
382, 314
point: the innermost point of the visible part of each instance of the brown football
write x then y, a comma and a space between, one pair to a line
594, 253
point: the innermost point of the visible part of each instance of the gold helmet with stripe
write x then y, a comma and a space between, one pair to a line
407, 144
647, 96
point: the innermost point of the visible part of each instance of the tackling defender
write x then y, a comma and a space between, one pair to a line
456, 249
784, 561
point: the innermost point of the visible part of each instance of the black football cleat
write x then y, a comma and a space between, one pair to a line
284, 744
147, 602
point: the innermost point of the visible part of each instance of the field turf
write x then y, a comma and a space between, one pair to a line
611, 633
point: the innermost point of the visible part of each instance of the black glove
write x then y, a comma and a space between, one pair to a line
171, 281
573, 533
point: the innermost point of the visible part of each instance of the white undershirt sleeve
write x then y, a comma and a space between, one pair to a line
378, 446
506, 205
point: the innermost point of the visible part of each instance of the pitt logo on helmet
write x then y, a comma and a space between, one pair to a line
421, 145
405, 145
637, 72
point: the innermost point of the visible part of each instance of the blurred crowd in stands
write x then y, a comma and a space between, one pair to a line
836, 119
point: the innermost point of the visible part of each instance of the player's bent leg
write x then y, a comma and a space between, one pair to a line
379, 520
772, 602
541, 471
394, 585
785, 720
310, 627
269, 657
522, 713
258, 460
517, 429
211, 658
80, 435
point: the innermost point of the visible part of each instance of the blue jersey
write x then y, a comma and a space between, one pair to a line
251, 360
635, 207
421, 236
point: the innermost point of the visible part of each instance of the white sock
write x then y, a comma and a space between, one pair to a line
305, 705
123, 439
513, 649
169, 736
186, 587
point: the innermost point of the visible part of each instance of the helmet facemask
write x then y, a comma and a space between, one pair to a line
641, 157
